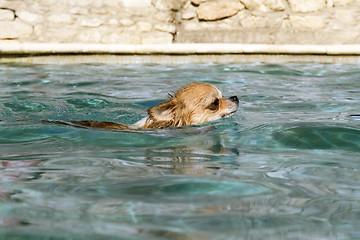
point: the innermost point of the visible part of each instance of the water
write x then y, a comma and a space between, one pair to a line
285, 166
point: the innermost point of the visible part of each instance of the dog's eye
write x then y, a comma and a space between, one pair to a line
214, 105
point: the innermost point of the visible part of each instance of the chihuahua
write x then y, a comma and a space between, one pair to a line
193, 104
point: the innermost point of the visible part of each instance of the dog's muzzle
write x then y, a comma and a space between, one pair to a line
234, 99
233, 106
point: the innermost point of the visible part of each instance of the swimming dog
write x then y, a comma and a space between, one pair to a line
193, 104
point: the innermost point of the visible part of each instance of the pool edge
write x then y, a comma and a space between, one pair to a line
65, 53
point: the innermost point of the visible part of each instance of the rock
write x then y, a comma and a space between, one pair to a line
91, 22
112, 3
39, 32
330, 3
61, 18
90, 36
218, 9
189, 13
60, 34
15, 29
209, 25
309, 22
29, 16
113, 22
82, 3
164, 16
338, 3
15, 4
7, 15
113, 37
264, 5
276, 5
305, 6
97, 4
120, 37
126, 22
158, 38
345, 16
198, 2
136, 3
174, 5
79, 11
144, 26
191, 26
170, 28
99, 10
345, 37
254, 22
317, 37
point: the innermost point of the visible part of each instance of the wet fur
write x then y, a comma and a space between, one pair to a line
193, 104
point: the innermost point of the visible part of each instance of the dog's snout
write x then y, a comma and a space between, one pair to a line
234, 99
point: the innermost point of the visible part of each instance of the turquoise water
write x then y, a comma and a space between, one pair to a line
285, 166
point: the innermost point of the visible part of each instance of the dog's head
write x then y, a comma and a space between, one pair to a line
195, 103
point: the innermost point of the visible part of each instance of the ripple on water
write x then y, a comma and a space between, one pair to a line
95, 103
10, 134
283, 166
164, 189
26, 106
320, 137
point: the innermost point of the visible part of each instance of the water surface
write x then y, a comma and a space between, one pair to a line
285, 166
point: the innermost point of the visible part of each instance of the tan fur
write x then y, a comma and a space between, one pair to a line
192, 104
195, 103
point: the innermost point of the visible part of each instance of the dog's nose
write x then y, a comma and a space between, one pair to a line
234, 99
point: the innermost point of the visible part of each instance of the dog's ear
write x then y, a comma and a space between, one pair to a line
162, 112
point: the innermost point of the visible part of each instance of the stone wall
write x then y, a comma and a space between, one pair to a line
271, 21
181, 21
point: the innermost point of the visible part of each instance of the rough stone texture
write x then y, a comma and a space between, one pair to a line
277, 22
144, 26
158, 38
92, 22
6, 15
305, 6
15, 29
218, 9
198, 2
309, 22
345, 17
189, 12
129, 3
181, 21
175, 5
62, 18
29, 17
170, 28
90, 36
126, 22
264, 5
342, 2
254, 22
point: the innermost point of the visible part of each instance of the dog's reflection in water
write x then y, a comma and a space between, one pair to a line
195, 152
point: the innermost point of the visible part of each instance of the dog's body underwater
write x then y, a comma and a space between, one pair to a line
193, 104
